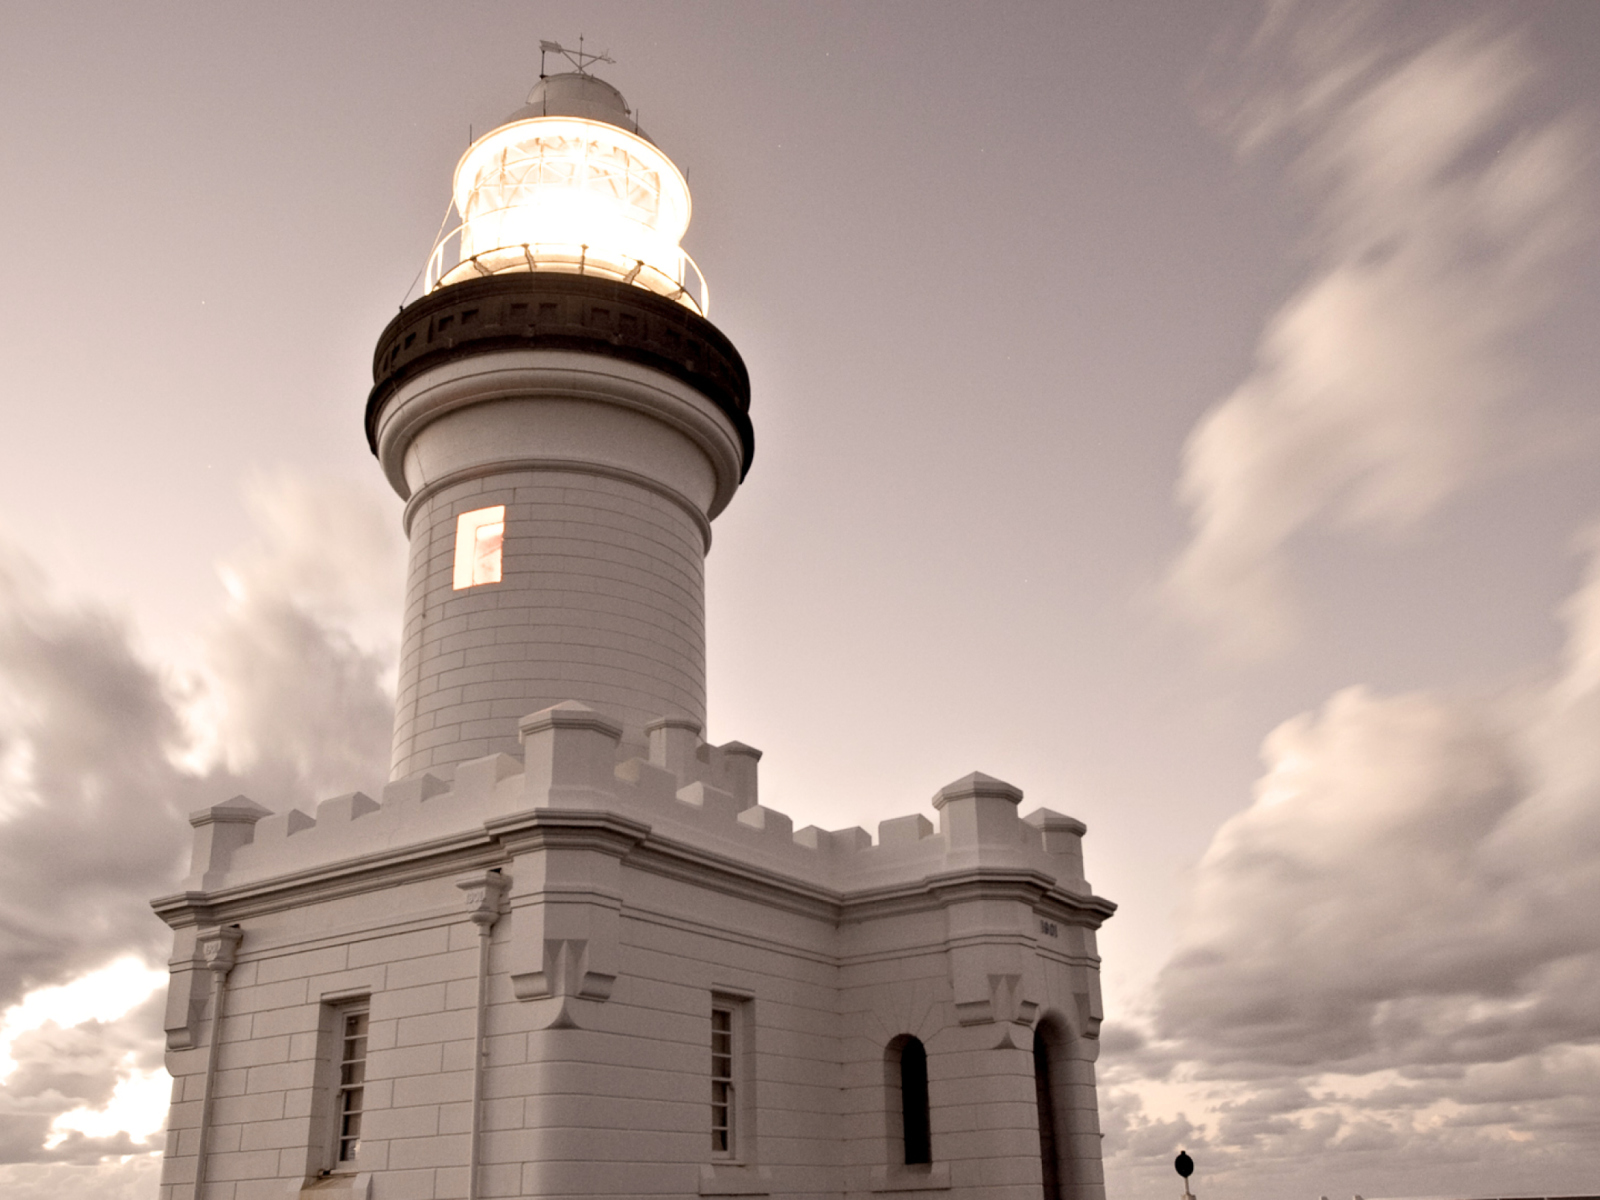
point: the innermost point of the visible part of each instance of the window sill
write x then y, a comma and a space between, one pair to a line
335, 1187
735, 1179
922, 1177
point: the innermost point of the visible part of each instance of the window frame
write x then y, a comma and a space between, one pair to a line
916, 1124
899, 1102
741, 1079
1056, 1166
328, 1112
344, 1090
470, 527
725, 1090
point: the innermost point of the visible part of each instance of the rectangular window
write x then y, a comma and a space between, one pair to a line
352, 1083
480, 535
724, 1111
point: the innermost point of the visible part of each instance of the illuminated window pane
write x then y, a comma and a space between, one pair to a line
479, 536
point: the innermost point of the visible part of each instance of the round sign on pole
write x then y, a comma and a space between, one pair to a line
1183, 1164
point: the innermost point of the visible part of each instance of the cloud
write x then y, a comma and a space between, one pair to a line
125, 1179
1380, 388
93, 805
299, 660
1385, 976
102, 757
1389, 961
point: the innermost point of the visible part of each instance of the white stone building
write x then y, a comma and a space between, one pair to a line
565, 951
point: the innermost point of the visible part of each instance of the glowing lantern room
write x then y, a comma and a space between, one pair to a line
569, 183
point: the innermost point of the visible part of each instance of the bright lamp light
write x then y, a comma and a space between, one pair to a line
567, 193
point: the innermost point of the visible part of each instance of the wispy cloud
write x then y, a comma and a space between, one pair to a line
298, 661
1442, 209
1384, 976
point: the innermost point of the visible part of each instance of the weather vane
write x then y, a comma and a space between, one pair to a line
579, 58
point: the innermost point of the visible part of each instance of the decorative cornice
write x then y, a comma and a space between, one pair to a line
455, 853
550, 828
640, 846
1024, 884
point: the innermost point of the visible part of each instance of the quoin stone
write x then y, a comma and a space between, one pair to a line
564, 951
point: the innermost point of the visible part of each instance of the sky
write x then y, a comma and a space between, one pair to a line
1186, 412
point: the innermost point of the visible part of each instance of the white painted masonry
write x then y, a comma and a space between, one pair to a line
633, 897
610, 473
541, 909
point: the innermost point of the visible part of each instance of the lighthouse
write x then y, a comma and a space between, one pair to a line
563, 423
564, 950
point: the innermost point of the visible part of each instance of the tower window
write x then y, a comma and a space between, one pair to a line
352, 1082
723, 1110
1049, 1153
338, 1103
479, 536
906, 1079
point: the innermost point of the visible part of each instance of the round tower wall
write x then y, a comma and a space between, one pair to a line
608, 472
601, 600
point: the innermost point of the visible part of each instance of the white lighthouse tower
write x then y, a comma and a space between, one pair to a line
563, 424
564, 951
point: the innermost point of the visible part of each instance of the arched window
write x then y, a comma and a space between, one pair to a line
914, 1101
906, 1080
1049, 1163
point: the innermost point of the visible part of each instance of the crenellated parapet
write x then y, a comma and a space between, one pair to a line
690, 799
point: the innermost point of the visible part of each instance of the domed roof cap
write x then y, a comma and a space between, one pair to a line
577, 94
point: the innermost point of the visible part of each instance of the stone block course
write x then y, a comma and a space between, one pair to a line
434, 968
437, 1087
401, 947
252, 1164
438, 1151
261, 997
226, 1083
459, 1055
289, 1023
415, 1121
405, 1061
301, 964
226, 1137
274, 1079
395, 1004
272, 1135
408, 1185
257, 1051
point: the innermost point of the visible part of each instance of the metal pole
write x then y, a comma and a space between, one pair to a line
483, 897
220, 952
